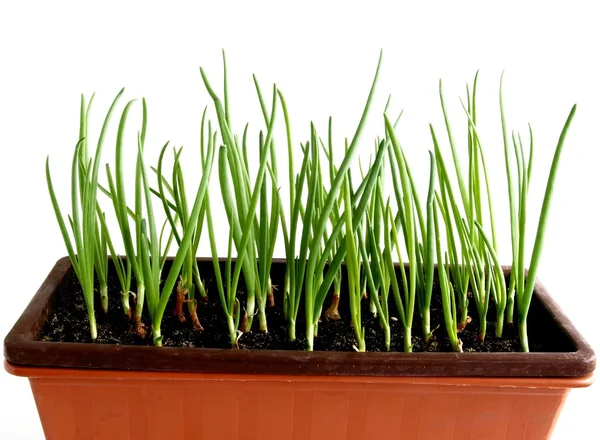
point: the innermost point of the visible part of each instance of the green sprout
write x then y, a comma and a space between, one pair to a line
83, 219
377, 277
268, 224
406, 215
234, 170
153, 261
313, 295
101, 246
332, 312
353, 271
227, 290
521, 283
447, 293
117, 195
190, 275
89, 253
359, 201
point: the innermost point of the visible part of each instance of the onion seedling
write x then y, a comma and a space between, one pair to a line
500, 294
246, 226
459, 264
353, 271
332, 313
522, 283
481, 277
498, 280
268, 224
471, 195
152, 260
296, 267
377, 277
405, 303
83, 219
513, 206
190, 275
423, 235
370, 242
123, 267
313, 296
290, 248
406, 214
104, 244
429, 251
227, 290
101, 247
233, 170
122, 212
359, 201
86, 255
447, 292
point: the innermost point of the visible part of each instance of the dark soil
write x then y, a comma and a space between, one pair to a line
69, 323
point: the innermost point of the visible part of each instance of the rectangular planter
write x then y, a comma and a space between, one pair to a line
85, 391
97, 404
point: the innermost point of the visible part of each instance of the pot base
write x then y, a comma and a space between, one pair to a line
78, 404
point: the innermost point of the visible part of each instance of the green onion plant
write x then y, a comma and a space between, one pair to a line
234, 171
353, 271
522, 282
88, 256
379, 238
449, 304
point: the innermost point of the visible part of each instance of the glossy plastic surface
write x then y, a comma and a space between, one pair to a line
78, 404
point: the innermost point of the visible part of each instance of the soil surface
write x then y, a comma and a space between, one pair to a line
69, 323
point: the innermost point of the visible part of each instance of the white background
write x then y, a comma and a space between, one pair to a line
322, 55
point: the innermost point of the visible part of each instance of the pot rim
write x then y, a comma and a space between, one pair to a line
22, 347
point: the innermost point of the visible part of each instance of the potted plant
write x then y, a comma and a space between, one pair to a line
390, 317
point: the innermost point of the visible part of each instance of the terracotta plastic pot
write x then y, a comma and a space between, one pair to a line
95, 391
119, 405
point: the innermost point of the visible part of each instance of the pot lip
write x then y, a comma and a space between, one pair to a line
62, 373
22, 349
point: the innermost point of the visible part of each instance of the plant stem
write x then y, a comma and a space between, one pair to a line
104, 298
408, 338
482, 329
372, 306
426, 325
361, 343
292, 329
157, 337
464, 317
388, 337
523, 334
232, 332
249, 315
139, 308
510, 304
310, 336
286, 293
262, 320
126, 306
92, 321
499, 323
